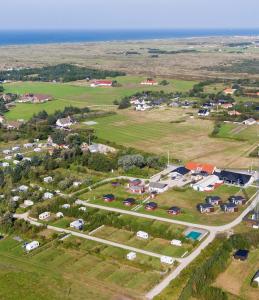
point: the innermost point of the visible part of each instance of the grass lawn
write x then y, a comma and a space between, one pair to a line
62, 272
80, 94
236, 279
156, 245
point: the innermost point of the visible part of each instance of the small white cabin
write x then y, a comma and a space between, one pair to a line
45, 215
32, 245
48, 179
28, 203
131, 255
176, 243
48, 195
66, 206
167, 260
142, 235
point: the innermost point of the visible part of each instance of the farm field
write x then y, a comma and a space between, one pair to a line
236, 279
74, 269
184, 137
80, 94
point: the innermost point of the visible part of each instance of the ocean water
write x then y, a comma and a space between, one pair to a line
76, 36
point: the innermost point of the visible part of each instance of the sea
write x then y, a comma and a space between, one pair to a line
23, 37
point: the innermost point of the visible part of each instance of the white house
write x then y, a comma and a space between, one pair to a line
45, 215
8, 157
48, 179
157, 187
77, 224
142, 235
250, 122
176, 243
28, 203
131, 255
37, 149
64, 122
16, 148
59, 215
48, 195
32, 245
149, 82
28, 145
77, 183
167, 260
7, 151
79, 202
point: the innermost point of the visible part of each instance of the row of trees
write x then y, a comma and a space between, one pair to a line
59, 73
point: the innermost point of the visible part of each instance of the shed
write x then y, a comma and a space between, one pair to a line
174, 210
157, 187
77, 224
129, 201
59, 214
151, 206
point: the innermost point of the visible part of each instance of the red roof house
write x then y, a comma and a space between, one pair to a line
197, 167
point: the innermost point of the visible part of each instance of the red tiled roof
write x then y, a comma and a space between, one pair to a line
193, 166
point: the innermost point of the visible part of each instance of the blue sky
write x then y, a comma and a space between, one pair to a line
132, 14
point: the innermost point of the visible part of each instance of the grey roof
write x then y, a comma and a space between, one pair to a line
157, 185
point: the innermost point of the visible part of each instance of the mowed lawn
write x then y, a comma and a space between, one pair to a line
236, 279
80, 94
87, 271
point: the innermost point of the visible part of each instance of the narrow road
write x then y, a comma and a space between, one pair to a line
92, 238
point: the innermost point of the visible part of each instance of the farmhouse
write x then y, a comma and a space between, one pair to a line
180, 171
197, 167
64, 122
213, 200
207, 183
256, 278
234, 178
229, 207
131, 255
45, 215
241, 254
102, 83
149, 82
77, 224
250, 122
229, 91
32, 245
205, 208
237, 200
203, 113
174, 210
142, 235
157, 187
34, 98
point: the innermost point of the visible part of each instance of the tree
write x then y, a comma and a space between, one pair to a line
129, 161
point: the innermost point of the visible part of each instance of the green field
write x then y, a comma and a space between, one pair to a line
80, 94
86, 270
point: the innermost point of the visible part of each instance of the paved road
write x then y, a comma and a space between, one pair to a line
92, 238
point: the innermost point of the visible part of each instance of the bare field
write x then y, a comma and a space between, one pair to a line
210, 52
